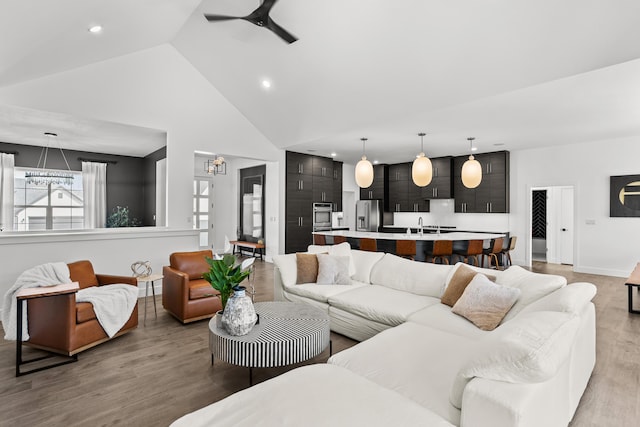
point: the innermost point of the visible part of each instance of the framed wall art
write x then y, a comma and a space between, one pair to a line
625, 196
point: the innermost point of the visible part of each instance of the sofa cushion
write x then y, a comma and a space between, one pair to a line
84, 312
287, 266
318, 395
333, 270
533, 286
200, 289
381, 304
342, 249
410, 359
420, 278
306, 268
321, 292
364, 262
572, 298
193, 264
529, 349
82, 272
458, 282
485, 303
439, 316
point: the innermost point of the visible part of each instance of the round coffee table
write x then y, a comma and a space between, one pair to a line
287, 333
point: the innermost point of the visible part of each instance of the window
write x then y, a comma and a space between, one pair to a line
47, 206
201, 209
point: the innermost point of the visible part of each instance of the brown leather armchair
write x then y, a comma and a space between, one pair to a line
185, 294
62, 325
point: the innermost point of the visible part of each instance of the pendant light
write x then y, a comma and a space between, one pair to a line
41, 176
364, 170
421, 171
471, 170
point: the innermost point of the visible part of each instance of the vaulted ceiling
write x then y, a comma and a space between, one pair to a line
512, 73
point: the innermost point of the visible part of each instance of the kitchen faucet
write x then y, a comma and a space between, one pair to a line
420, 226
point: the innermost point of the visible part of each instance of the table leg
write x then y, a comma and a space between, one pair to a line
250, 377
153, 291
146, 294
330, 348
19, 339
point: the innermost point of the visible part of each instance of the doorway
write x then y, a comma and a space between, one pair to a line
552, 224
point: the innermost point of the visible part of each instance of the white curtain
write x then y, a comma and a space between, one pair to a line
94, 186
6, 191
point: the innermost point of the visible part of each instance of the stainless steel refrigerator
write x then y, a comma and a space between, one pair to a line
368, 215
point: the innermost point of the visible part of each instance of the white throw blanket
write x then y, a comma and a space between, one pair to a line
112, 304
50, 274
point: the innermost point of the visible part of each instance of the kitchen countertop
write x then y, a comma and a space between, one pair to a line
456, 235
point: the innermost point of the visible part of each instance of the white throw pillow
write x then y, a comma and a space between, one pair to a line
333, 270
533, 286
485, 303
344, 249
528, 349
572, 299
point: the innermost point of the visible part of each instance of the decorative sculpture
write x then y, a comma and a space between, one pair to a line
141, 268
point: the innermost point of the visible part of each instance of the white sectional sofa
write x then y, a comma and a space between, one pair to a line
530, 371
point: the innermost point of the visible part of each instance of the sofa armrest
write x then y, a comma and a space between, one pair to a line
278, 286
106, 279
491, 403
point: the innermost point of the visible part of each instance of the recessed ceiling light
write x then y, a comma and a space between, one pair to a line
474, 148
334, 154
375, 162
95, 29
266, 84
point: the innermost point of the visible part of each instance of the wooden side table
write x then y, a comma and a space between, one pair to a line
633, 282
149, 280
32, 293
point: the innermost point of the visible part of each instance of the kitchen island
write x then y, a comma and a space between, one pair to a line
386, 242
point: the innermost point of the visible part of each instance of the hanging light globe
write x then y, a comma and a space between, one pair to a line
471, 170
422, 170
364, 170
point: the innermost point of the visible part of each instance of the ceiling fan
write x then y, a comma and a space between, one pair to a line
261, 18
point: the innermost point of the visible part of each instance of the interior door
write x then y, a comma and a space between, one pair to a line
565, 238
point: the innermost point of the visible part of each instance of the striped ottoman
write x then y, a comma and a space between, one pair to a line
288, 333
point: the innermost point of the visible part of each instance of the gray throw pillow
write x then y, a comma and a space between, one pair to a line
333, 270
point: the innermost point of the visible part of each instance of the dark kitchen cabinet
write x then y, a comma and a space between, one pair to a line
404, 195
492, 195
323, 188
379, 189
299, 164
309, 179
337, 186
440, 186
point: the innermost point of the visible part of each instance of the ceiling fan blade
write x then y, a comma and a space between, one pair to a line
280, 32
212, 18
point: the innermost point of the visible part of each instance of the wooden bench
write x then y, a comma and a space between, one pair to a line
633, 281
242, 245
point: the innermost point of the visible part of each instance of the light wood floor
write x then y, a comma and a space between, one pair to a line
161, 371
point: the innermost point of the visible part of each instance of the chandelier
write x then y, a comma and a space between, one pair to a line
217, 166
41, 176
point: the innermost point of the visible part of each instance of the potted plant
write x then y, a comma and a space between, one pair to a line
224, 273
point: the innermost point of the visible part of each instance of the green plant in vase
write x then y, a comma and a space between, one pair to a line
224, 274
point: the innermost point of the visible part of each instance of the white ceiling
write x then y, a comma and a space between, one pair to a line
513, 72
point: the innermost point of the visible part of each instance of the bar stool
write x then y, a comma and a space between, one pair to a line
339, 239
406, 248
506, 252
319, 239
474, 250
492, 252
442, 249
367, 244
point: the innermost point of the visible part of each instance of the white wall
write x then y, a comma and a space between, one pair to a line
606, 247
156, 88
110, 251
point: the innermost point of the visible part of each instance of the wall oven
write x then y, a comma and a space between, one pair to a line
321, 216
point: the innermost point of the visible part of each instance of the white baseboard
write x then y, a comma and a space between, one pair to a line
601, 271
